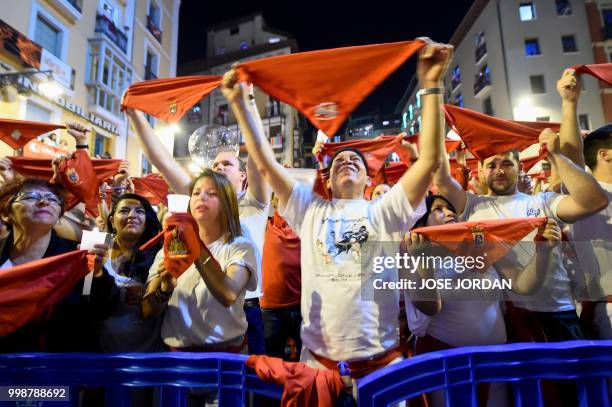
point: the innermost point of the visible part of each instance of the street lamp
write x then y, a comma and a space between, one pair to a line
47, 85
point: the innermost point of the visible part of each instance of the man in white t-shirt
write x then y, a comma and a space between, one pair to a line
338, 325
553, 305
253, 202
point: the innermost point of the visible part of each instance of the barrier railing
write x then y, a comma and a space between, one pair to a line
456, 371
173, 373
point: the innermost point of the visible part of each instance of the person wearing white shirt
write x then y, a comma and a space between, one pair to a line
338, 325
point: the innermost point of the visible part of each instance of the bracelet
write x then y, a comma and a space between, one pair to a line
82, 146
203, 263
432, 91
161, 296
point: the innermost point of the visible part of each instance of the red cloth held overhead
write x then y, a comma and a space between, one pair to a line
182, 244
17, 133
600, 71
303, 386
169, 99
327, 85
40, 168
153, 187
493, 237
529, 162
485, 136
280, 265
28, 290
391, 173
79, 177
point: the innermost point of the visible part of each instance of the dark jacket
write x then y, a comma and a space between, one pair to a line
69, 326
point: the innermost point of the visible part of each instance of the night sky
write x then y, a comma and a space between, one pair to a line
330, 24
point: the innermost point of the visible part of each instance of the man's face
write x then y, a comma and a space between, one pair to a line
347, 171
227, 163
501, 174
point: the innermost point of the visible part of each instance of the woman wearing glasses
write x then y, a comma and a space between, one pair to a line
30, 209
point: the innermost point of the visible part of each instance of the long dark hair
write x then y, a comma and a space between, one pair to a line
138, 265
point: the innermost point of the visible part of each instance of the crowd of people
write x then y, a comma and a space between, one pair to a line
276, 267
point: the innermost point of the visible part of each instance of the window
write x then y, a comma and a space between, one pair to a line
459, 100
569, 43
151, 66
607, 21
482, 79
234, 30
195, 114
147, 167
411, 112
48, 36
527, 11
456, 78
37, 113
100, 145
583, 122
563, 7
109, 11
537, 84
244, 45
221, 51
532, 47
108, 76
543, 119
487, 106
154, 13
481, 46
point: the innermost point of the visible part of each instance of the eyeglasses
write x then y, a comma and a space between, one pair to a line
37, 197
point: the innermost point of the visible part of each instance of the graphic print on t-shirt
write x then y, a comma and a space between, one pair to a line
343, 241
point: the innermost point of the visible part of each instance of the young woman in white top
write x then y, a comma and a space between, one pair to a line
204, 306
444, 319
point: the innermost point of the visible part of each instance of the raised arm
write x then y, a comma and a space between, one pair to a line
257, 144
530, 279
448, 187
432, 65
571, 142
178, 179
585, 195
257, 185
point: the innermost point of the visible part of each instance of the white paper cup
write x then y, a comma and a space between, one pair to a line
178, 203
89, 239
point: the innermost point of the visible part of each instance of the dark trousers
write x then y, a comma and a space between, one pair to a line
280, 325
255, 330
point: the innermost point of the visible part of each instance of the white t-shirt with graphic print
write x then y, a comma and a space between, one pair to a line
555, 294
193, 316
336, 322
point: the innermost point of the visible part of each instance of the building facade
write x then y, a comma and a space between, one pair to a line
236, 41
509, 55
95, 50
599, 15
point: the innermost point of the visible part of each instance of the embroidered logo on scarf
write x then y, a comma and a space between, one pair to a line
172, 108
478, 234
177, 247
16, 134
326, 111
72, 175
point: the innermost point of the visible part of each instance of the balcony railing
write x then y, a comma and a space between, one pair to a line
105, 26
154, 29
75, 4
481, 82
481, 51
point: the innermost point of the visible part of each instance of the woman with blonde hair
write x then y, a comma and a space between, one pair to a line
204, 306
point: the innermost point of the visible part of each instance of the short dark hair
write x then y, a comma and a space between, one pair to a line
514, 153
354, 150
152, 225
595, 141
9, 192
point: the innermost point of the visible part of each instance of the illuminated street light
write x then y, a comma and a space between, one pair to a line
48, 86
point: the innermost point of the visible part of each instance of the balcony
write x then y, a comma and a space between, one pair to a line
105, 26
482, 83
481, 52
154, 29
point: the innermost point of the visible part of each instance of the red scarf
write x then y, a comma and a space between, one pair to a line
17, 133
601, 71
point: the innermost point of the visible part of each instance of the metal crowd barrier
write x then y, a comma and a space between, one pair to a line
456, 371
